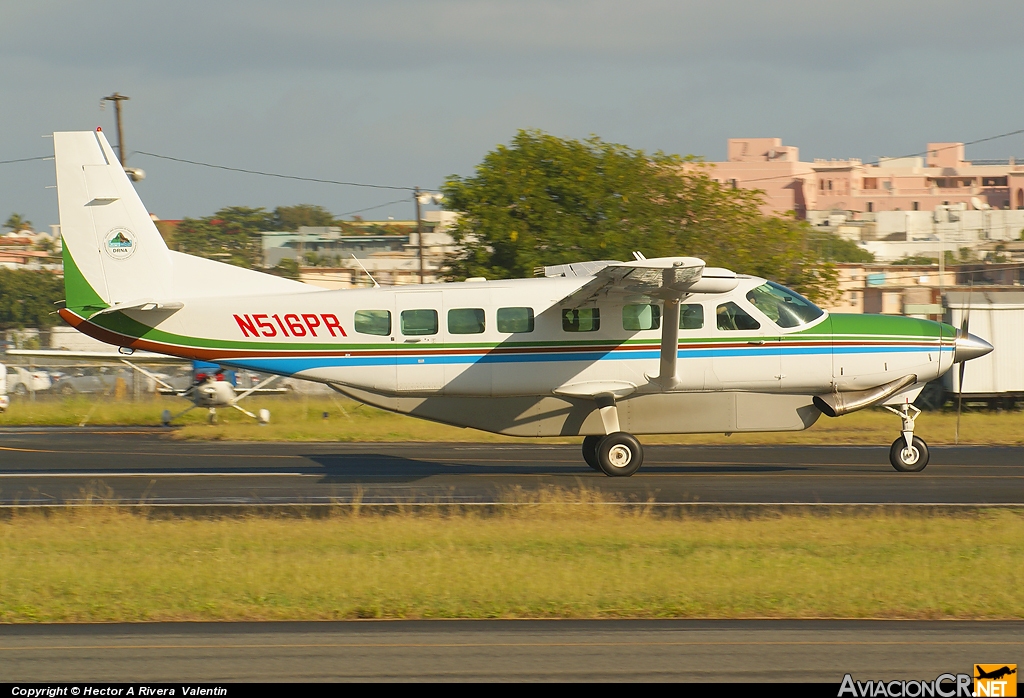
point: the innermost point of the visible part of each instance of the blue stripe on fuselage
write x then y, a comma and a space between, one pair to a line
293, 365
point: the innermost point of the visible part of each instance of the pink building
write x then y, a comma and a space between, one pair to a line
766, 164
943, 177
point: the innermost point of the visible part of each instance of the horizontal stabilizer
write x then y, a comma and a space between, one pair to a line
144, 305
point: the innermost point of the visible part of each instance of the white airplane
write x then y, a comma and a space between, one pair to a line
213, 387
603, 350
210, 387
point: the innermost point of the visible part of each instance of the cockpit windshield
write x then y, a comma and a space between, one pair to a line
784, 307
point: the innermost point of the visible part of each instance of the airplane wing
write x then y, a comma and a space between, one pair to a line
665, 278
669, 279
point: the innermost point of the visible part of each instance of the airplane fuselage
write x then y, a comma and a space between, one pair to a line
433, 350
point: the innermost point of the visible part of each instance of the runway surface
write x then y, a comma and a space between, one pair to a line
61, 466
614, 650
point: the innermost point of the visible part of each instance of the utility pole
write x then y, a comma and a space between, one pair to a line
419, 231
117, 98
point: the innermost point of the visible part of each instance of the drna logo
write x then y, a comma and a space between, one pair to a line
120, 243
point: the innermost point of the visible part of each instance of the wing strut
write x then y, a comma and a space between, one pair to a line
668, 377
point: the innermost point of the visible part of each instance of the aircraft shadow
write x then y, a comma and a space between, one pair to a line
352, 468
730, 469
372, 467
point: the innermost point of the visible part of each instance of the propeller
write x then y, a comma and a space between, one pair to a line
965, 325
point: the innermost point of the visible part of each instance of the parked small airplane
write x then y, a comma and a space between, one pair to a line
599, 349
210, 385
213, 387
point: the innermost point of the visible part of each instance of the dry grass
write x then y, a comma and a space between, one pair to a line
298, 419
566, 557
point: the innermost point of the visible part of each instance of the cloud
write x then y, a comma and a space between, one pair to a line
406, 92
196, 38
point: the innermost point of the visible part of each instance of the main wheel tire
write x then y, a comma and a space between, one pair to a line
620, 454
909, 460
590, 451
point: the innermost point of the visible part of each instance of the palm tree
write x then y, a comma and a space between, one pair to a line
18, 223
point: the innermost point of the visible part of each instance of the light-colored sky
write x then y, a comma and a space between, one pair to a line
406, 92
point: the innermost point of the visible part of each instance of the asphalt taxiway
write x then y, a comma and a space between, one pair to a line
71, 466
529, 650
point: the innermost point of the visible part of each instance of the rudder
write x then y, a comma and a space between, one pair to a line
113, 252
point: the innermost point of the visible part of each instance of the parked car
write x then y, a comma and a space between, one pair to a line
22, 381
89, 380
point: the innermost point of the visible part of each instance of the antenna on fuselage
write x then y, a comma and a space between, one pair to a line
375, 284
639, 256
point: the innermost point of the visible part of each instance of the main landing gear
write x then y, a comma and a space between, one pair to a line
616, 455
909, 453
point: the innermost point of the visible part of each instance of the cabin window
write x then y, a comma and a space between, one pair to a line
416, 322
641, 316
376, 322
514, 320
581, 320
691, 316
466, 321
732, 318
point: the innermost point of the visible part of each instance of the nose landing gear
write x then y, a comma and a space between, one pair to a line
908, 453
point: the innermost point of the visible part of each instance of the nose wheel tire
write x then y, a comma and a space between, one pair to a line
909, 460
590, 451
619, 454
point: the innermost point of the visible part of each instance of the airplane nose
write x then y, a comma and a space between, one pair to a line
970, 347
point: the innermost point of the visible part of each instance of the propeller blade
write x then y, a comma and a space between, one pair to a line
965, 326
959, 401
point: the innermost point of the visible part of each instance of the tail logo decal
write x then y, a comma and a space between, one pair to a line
120, 243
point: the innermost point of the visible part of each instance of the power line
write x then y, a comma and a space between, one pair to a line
273, 174
371, 208
41, 157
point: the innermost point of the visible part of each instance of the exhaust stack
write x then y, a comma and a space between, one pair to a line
836, 404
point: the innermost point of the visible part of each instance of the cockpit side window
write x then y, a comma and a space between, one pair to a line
784, 307
732, 318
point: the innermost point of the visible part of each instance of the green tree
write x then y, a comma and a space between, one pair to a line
832, 248
545, 200
293, 217
17, 222
27, 298
288, 268
230, 235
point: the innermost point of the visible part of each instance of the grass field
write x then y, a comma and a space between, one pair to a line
298, 419
562, 559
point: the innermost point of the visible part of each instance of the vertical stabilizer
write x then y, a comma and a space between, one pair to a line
113, 252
